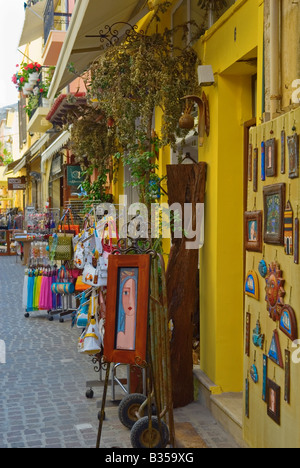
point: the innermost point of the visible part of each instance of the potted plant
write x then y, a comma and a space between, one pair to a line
32, 105
33, 71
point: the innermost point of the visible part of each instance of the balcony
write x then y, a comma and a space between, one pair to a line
55, 27
38, 106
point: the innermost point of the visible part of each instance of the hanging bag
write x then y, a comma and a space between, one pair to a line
63, 286
61, 246
90, 342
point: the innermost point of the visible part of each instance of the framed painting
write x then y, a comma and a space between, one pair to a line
253, 230
293, 151
273, 401
126, 326
288, 322
274, 205
271, 158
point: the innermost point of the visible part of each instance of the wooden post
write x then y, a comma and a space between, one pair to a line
186, 184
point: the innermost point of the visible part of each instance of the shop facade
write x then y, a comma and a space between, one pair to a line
245, 349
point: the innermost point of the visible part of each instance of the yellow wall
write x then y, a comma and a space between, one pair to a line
259, 429
221, 258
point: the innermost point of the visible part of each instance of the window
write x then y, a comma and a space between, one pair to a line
199, 11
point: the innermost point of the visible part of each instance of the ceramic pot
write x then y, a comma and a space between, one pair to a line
33, 77
187, 121
28, 87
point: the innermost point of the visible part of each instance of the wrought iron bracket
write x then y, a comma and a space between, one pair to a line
111, 33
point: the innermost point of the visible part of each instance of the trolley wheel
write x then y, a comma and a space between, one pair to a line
142, 437
50, 318
89, 394
26, 315
128, 408
61, 320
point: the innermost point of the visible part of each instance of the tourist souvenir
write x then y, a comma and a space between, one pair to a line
288, 322
271, 158
253, 230
258, 338
252, 285
274, 203
293, 148
273, 401
263, 268
288, 229
274, 291
275, 350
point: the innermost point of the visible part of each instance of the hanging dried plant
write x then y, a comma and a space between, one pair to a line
215, 5
145, 72
93, 142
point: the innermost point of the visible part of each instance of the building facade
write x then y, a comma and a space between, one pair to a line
246, 341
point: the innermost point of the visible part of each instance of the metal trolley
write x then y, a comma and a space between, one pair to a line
149, 416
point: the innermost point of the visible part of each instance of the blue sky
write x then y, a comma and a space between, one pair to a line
11, 23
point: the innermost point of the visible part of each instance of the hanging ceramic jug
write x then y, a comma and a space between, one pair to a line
187, 121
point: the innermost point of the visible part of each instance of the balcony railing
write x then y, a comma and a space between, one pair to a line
54, 20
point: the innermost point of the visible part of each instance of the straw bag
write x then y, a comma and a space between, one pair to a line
61, 246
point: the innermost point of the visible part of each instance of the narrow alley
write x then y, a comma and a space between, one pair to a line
43, 383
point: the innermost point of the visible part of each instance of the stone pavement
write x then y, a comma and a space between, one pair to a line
43, 383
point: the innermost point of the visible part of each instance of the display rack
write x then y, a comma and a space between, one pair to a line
158, 429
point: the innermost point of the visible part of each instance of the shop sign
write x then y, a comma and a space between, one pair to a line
18, 183
74, 176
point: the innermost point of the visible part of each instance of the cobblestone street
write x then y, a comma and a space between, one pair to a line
43, 400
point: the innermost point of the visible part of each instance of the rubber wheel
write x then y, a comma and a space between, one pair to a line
128, 408
26, 315
142, 437
89, 394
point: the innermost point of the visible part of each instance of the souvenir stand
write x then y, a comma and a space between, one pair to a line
46, 284
61, 246
110, 272
136, 334
10, 222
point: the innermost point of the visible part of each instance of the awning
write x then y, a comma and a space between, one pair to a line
20, 165
37, 145
56, 146
62, 105
33, 26
10, 167
88, 18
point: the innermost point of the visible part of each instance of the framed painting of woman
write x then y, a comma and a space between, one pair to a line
128, 283
253, 230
